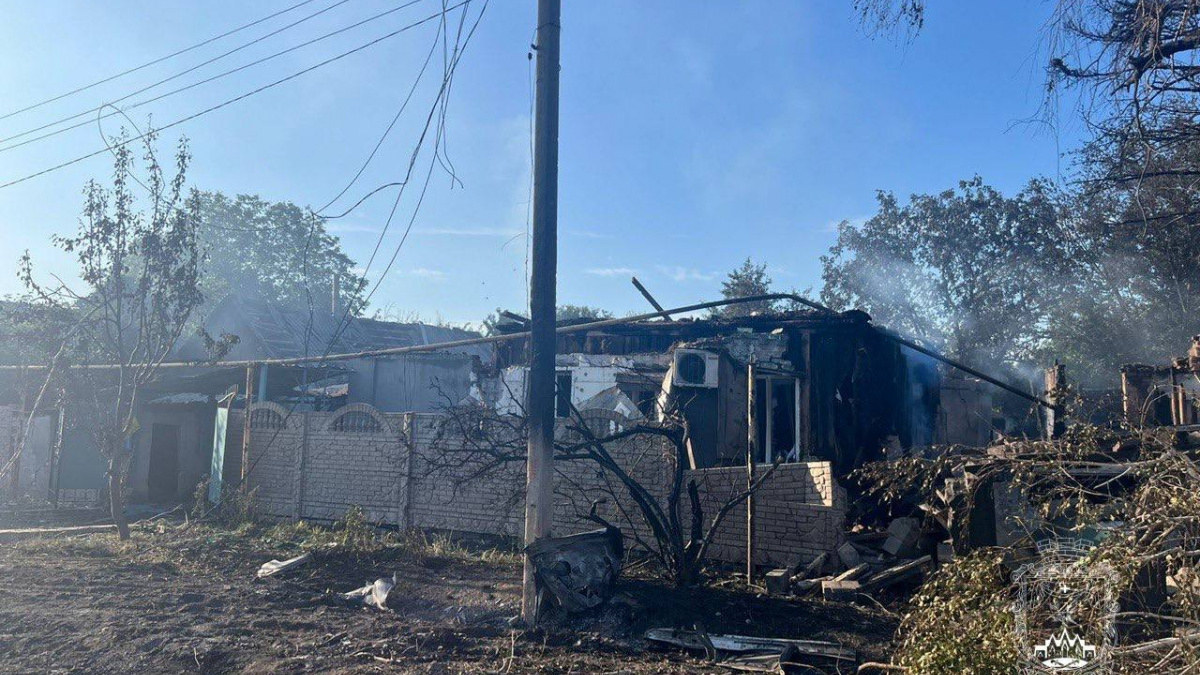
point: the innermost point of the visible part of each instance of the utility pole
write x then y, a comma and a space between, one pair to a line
539, 497
246, 427
752, 423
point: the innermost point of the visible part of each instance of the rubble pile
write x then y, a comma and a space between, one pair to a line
867, 563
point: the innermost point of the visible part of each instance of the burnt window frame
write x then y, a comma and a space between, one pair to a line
562, 397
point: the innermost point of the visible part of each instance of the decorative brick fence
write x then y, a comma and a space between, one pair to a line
407, 470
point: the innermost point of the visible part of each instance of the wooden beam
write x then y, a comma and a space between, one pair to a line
649, 298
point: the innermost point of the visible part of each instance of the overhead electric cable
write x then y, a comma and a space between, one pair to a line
155, 61
395, 118
439, 102
188, 86
233, 100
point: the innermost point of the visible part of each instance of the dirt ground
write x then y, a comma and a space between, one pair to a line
171, 602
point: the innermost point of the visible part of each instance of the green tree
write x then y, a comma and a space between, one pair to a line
140, 284
1135, 288
580, 313
969, 268
276, 249
747, 280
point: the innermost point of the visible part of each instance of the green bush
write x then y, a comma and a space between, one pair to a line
961, 622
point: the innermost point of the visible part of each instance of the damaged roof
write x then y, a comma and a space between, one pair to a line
659, 336
280, 332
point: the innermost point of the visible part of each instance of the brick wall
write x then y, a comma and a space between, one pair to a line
799, 512
412, 470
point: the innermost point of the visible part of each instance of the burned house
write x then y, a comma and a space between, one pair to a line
821, 392
827, 387
1163, 395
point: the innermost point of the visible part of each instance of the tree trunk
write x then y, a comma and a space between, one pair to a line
116, 496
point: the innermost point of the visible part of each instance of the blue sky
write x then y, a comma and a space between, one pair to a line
693, 134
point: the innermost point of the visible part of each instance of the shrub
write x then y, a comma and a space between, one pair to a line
961, 623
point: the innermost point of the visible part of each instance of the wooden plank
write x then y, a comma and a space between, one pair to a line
814, 568
853, 573
33, 532
894, 574
805, 585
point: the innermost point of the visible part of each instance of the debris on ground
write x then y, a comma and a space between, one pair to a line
770, 655
867, 562
374, 594
35, 532
898, 573
849, 555
903, 534
579, 570
274, 567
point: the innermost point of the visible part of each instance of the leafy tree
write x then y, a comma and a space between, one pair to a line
276, 249
969, 268
580, 312
747, 280
493, 321
30, 333
1135, 291
140, 273
1135, 65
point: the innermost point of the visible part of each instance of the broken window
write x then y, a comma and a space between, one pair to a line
776, 415
647, 403
562, 393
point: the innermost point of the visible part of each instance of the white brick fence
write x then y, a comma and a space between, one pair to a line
316, 465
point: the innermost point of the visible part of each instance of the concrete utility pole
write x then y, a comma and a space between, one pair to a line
539, 498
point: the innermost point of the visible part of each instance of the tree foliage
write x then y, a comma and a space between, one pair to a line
140, 284
276, 249
961, 622
747, 280
563, 313
1134, 291
968, 267
580, 313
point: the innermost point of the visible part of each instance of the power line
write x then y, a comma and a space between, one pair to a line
383, 137
439, 101
179, 74
194, 84
231, 101
155, 61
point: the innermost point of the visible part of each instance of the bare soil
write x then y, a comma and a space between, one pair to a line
171, 602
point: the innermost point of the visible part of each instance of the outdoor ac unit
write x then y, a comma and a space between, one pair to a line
695, 368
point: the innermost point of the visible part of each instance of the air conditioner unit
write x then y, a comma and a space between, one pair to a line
695, 368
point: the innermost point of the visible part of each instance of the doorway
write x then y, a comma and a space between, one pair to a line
164, 463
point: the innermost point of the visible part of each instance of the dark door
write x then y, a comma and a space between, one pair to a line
164, 463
